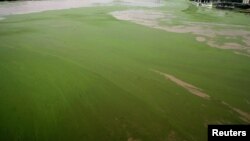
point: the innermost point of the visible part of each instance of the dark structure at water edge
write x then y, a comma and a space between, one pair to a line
222, 1
239, 5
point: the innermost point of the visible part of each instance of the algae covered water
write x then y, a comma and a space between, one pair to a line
121, 70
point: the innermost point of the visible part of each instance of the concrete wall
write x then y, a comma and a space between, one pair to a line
246, 1
239, 1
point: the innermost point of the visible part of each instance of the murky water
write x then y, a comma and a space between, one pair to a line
236, 36
217, 28
24, 7
141, 3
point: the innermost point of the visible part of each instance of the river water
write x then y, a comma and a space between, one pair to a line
24, 7
207, 25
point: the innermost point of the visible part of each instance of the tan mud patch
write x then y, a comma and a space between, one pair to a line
240, 53
245, 116
141, 3
209, 31
233, 46
200, 39
139, 16
189, 87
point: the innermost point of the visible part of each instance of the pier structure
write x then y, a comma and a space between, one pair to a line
224, 4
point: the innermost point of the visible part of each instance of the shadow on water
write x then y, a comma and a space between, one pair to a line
201, 13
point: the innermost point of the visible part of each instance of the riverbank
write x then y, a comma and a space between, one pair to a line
25, 7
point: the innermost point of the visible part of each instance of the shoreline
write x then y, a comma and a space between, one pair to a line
26, 7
